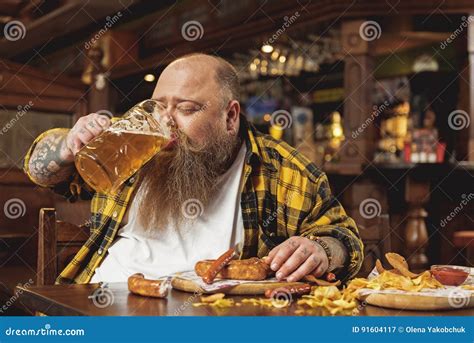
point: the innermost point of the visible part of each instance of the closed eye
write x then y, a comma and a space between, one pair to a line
189, 109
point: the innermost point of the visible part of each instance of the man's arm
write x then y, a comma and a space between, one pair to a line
51, 162
329, 222
338, 253
327, 241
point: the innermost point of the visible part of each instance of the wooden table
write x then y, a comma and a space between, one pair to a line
72, 300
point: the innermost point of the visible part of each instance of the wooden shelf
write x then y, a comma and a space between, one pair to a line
14, 233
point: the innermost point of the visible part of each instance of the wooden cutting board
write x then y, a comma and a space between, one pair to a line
417, 302
251, 288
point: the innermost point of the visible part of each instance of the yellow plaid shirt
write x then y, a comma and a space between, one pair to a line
283, 194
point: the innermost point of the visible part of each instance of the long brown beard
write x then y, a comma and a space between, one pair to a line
178, 184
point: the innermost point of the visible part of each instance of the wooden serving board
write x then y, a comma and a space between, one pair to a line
417, 302
250, 288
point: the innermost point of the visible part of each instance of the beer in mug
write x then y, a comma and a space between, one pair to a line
108, 160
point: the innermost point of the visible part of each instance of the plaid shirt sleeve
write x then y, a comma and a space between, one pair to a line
328, 218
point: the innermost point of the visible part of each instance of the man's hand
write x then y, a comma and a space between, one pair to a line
85, 129
297, 257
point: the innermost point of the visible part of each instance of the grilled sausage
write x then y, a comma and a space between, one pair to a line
249, 269
137, 284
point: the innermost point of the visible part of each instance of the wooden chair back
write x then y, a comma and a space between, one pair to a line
58, 242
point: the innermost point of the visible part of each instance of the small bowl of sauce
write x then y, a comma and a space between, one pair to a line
450, 275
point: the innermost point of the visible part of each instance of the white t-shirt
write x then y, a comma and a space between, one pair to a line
164, 252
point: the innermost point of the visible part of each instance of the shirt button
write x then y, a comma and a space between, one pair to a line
132, 180
272, 234
114, 214
100, 251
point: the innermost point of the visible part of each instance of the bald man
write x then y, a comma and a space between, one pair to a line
221, 184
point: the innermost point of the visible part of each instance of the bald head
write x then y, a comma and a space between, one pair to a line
224, 73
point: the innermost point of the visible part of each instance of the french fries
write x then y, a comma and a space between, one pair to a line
379, 267
389, 280
400, 277
331, 299
211, 298
277, 303
399, 263
215, 300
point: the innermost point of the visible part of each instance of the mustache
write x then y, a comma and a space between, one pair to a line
209, 153
185, 142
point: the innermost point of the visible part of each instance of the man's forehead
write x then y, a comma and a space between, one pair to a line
186, 76
193, 60
196, 66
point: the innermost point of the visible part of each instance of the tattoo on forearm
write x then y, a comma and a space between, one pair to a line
46, 164
338, 252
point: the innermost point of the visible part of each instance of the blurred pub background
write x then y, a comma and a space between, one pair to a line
379, 94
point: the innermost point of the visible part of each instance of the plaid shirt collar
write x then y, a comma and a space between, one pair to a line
255, 155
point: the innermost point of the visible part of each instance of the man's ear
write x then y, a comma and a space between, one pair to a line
232, 116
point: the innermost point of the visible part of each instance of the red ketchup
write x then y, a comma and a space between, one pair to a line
449, 276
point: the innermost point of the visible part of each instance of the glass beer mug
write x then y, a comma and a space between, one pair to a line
108, 160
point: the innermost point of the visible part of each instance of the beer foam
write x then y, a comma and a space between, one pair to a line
143, 119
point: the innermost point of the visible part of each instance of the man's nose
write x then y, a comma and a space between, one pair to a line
166, 113
169, 119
